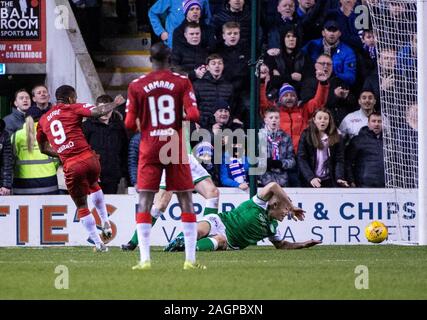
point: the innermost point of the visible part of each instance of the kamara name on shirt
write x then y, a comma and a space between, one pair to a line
159, 84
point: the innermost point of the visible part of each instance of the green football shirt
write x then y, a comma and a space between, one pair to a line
249, 223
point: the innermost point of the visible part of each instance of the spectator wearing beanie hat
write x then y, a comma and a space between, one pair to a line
287, 89
221, 104
221, 115
186, 5
221, 120
204, 153
294, 116
193, 13
174, 13
235, 167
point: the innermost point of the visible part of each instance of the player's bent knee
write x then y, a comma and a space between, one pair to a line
203, 228
211, 190
80, 201
207, 189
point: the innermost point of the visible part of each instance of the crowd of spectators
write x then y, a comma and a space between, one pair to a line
319, 92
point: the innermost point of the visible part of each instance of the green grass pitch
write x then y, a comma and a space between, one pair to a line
321, 272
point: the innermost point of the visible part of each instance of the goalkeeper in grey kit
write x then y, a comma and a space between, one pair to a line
252, 221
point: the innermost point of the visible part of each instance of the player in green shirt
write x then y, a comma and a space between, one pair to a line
250, 222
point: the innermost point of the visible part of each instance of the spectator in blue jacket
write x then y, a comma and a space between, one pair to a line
343, 56
234, 169
407, 58
173, 13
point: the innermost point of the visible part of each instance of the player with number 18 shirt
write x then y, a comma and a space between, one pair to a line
158, 101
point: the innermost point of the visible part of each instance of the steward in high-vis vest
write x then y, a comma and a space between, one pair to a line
34, 172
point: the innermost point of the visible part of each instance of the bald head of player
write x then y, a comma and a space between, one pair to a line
160, 55
66, 94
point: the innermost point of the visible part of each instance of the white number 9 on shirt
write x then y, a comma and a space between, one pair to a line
58, 132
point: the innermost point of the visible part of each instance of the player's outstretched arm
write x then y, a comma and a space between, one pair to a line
286, 245
103, 109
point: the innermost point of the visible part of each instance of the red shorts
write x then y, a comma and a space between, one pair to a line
82, 174
178, 177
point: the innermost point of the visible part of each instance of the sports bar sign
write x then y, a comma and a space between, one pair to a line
22, 31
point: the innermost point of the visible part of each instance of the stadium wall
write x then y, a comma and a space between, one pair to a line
68, 61
335, 216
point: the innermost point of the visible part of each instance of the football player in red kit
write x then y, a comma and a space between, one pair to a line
59, 134
156, 104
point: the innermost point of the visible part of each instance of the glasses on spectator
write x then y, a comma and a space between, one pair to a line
324, 64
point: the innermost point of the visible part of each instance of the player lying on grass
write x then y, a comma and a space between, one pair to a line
250, 222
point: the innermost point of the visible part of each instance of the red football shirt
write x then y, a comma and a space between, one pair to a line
61, 126
158, 101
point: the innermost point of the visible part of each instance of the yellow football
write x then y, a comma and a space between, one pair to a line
376, 232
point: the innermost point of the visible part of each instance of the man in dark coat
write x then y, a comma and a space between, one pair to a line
190, 56
364, 156
211, 88
237, 11
6, 165
107, 136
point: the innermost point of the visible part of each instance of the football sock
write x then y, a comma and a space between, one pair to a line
134, 239
98, 201
207, 244
211, 206
189, 226
143, 228
89, 224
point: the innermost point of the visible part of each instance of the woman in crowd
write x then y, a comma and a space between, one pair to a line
321, 153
